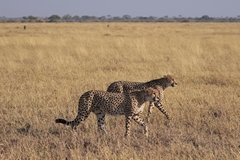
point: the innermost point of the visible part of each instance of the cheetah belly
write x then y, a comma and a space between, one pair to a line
116, 111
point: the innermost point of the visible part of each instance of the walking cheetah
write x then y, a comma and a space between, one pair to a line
101, 103
159, 84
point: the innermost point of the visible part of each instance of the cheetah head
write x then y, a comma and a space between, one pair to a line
152, 95
170, 81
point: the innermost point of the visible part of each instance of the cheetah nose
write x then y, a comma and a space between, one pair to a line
174, 84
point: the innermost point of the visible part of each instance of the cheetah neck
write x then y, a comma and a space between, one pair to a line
158, 82
138, 96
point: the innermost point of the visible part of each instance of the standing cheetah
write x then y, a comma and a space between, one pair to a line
101, 103
159, 84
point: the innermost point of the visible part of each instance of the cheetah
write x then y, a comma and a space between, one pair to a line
102, 103
159, 84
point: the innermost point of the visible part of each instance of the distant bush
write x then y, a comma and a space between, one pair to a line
124, 18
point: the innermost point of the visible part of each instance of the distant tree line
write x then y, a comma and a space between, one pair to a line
124, 18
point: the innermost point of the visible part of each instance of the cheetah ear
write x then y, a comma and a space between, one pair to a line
150, 90
168, 77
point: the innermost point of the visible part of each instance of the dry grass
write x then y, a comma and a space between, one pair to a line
45, 69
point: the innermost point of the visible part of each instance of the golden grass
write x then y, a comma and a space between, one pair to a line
45, 69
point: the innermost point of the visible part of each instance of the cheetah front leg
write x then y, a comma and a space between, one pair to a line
101, 121
128, 122
150, 109
137, 119
160, 107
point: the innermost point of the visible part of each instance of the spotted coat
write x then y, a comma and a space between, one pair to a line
159, 84
102, 103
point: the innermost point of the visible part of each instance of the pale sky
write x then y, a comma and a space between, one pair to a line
134, 8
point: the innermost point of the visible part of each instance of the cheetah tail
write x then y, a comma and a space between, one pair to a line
63, 121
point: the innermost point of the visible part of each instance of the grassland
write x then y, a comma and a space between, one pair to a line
45, 69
